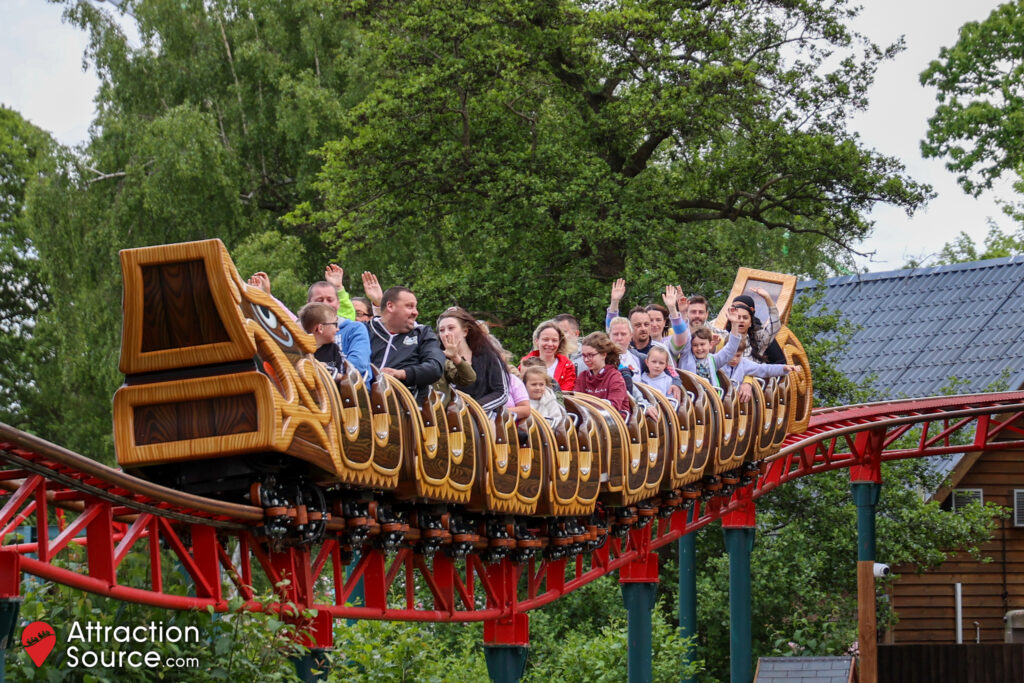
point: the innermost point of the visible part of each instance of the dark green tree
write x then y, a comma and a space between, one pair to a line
516, 157
26, 153
203, 130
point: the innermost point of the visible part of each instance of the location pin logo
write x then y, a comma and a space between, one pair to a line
38, 640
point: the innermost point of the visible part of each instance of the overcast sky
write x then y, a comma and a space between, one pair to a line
43, 80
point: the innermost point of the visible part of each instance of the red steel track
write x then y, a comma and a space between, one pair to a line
112, 514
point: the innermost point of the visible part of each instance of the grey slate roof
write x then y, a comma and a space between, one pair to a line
921, 327
804, 669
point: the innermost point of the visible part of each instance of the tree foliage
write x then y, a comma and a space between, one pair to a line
26, 153
979, 122
203, 130
997, 244
566, 144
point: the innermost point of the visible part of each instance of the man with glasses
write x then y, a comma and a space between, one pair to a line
363, 308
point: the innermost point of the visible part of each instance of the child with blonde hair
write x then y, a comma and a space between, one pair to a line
656, 376
542, 396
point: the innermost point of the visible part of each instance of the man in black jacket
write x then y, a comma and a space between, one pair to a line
403, 348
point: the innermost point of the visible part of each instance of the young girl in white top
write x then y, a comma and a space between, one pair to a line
542, 396
656, 377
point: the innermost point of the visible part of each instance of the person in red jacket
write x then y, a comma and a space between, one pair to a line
549, 345
602, 377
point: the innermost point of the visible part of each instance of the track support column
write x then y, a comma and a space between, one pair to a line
865, 484
507, 640
739, 526
10, 604
688, 589
639, 584
295, 565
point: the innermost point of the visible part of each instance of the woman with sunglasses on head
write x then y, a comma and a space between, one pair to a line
759, 337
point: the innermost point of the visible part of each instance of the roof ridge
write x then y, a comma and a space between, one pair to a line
909, 273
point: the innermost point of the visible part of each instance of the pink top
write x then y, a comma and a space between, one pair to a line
516, 391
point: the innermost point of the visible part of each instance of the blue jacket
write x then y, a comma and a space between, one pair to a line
355, 344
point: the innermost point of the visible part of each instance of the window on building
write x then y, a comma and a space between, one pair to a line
962, 497
1018, 507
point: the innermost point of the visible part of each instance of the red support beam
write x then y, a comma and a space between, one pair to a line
869, 446
741, 514
10, 574
514, 627
207, 561
99, 535
644, 566
155, 569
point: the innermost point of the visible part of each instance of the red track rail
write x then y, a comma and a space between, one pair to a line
112, 514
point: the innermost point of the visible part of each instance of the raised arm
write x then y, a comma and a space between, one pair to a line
732, 344
673, 298
373, 290
335, 274
772, 325
262, 281
618, 291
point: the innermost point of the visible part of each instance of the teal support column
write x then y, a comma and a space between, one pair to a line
9, 608
505, 663
738, 526
865, 495
688, 592
639, 582
312, 667
639, 601
739, 542
358, 595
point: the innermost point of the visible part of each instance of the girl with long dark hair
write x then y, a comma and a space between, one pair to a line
460, 331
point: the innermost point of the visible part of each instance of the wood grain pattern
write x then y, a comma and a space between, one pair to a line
730, 455
158, 317
780, 285
165, 442
222, 415
178, 308
801, 392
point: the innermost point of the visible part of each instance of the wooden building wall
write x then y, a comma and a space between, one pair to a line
925, 603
